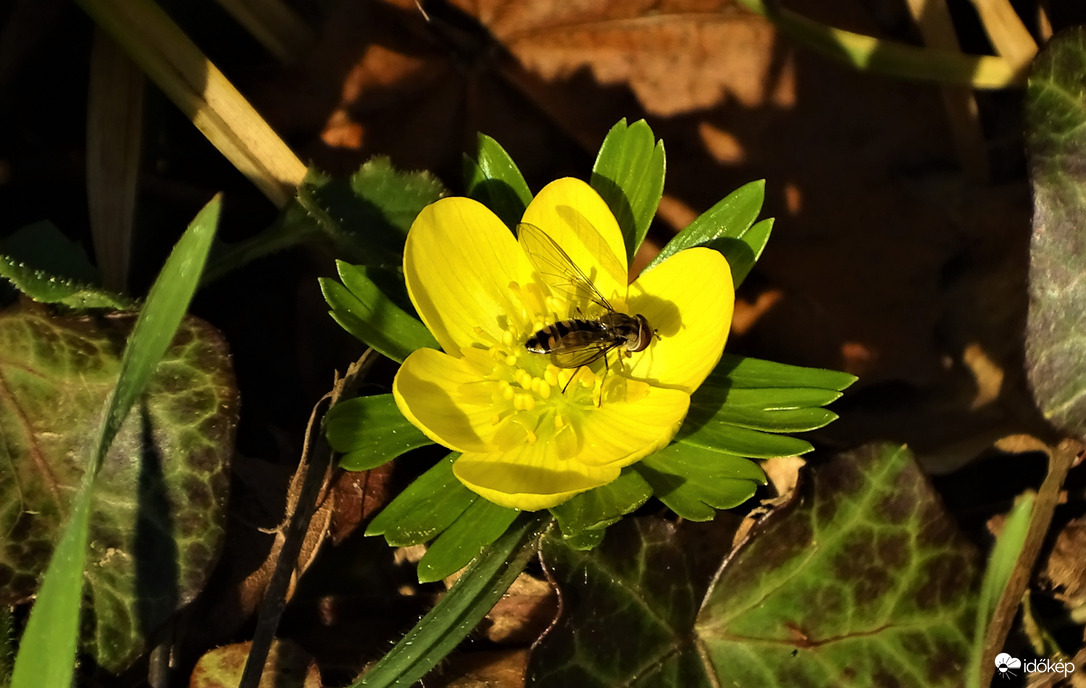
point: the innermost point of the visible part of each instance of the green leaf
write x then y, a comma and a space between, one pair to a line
739, 372
728, 227
1055, 113
47, 648
599, 508
862, 579
370, 431
743, 252
363, 307
368, 215
49, 268
694, 482
7, 645
425, 508
493, 179
470, 598
627, 611
481, 524
779, 409
864, 563
166, 471
731, 439
1001, 564
629, 175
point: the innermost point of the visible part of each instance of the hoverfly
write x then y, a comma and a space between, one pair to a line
577, 342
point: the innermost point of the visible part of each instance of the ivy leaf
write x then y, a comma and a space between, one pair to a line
627, 610
729, 228
861, 579
167, 472
629, 176
1055, 113
865, 562
370, 431
493, 179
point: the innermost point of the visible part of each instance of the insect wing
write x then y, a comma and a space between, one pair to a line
582, 356
558, 270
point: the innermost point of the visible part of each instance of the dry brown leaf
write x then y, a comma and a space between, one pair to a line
499, 669
287, 666
358, 495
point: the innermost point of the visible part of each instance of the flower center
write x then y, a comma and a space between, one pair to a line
531, 399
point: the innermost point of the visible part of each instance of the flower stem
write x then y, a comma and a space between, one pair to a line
473, 595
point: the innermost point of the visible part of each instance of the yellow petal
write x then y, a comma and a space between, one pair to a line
688, 299
528, 477
458, 263
429, 390
622, 433
575, 216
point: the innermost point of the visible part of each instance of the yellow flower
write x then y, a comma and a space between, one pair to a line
524, 442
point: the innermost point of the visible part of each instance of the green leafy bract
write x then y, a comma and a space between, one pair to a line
481, 524
368, 215
48, 267
862, 579
693, 481
370, 431
629, 175
589, 513
367, 304
1056, 140
426, 507
729, 227
493, 179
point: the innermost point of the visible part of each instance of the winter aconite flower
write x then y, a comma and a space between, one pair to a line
531, 434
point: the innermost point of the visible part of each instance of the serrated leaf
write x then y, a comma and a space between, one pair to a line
694, 482
426, 507
1055, 113
731, 439
729, 227
481, 524
596, 509
45, 265
167, 519
368, 215
863, 579
370, 431
493, 179
362, 306
627, 609
740, 372
629, 175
